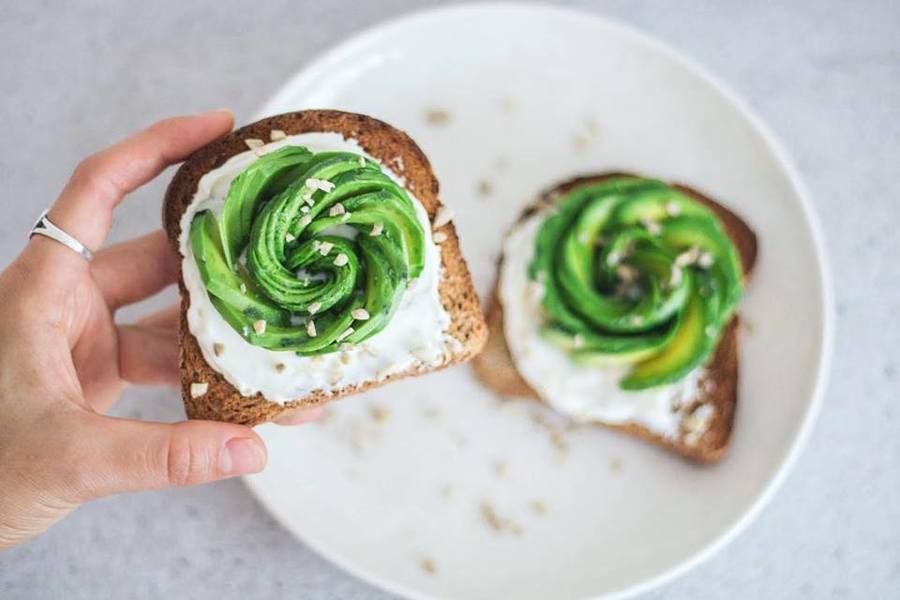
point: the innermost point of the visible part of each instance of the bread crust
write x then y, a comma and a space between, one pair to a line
397, 151
496, 369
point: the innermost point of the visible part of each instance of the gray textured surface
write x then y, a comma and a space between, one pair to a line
824, 74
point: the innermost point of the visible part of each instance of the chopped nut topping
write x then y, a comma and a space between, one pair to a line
672, 209
289, 237
636, 319
280, 367
626, 273
362, 161
311, 328
360, 314
652, 227
688, 257
304, 209
440, 237
304, 221
259, 326
336, 209
218, 349
444, 215
698, 421
345, 355
254, 143
325, 248
314, 307
341, 259
676, 276
377, 228
614, 258
319, 184
243, 288
347, 332
277, 134
198, 389
705, 260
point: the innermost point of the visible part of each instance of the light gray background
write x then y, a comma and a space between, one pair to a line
825, 75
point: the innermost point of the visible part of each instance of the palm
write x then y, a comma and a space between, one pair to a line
95, 355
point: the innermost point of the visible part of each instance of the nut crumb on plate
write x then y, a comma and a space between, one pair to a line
436, 116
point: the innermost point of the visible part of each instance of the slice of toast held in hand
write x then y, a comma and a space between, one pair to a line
719, 386
213, 396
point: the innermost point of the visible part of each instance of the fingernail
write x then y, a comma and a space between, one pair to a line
242, 455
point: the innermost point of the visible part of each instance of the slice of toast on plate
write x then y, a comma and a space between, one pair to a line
719, 384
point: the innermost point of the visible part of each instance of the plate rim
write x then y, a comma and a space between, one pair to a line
327, 58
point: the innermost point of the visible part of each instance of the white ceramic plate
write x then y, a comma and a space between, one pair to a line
396, 483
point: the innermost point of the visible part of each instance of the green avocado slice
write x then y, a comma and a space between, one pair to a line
694, 339
223, 283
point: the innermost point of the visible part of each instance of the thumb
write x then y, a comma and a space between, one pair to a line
122, 455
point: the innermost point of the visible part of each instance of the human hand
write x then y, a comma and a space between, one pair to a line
64, 361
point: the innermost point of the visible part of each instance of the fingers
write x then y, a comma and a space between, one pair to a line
136, 269
121, 455
298, 416
85, 207
148, 349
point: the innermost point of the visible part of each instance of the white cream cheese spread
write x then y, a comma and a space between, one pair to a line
416, 336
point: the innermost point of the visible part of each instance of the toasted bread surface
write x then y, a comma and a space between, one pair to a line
496, 369
398, 152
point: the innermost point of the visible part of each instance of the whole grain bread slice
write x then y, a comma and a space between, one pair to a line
719, 386
398, 152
